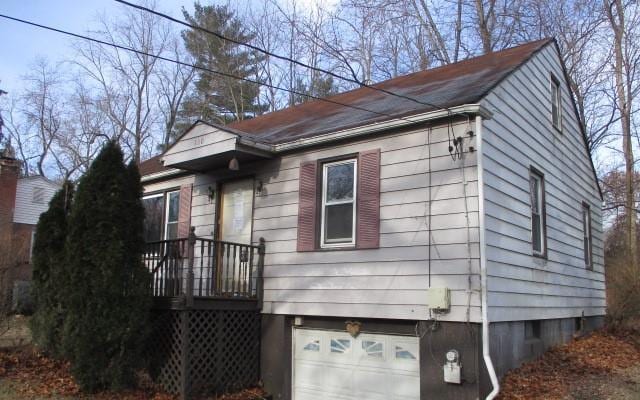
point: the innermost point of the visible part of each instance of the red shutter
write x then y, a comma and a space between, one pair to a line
184, 215
368, 197
307, 206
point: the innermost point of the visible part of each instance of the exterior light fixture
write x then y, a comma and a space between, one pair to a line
234, 165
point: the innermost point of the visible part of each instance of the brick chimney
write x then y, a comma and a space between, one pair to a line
9, 173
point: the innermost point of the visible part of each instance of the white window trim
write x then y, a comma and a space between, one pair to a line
540, 197
152, 196
167, 201
556, 96
325, 167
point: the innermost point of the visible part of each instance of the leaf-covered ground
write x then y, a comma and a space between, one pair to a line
599, 366
26, 374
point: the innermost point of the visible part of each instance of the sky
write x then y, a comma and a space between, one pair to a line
20, 44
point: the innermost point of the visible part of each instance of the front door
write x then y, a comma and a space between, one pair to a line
236, 215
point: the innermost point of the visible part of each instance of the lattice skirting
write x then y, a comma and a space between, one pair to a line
205, 352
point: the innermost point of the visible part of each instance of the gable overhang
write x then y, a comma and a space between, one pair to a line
205, 147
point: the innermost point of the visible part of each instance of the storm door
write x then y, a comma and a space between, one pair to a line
236, 216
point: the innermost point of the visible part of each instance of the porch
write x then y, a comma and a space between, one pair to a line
207, 301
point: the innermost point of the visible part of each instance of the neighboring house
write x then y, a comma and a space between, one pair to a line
22, 200
429, 231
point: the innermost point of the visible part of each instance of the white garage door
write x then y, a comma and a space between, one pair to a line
332, 365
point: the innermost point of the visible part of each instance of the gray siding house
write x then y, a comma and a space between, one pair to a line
412, 249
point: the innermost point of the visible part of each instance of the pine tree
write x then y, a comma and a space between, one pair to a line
217, 98
108, 301
49, 270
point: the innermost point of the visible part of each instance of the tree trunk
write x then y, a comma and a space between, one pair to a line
623, 97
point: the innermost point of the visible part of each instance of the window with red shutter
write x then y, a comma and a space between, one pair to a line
339, 203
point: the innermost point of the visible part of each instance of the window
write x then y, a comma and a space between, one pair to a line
161, 222
340, 346
538, 223
373, 348
532, 329
338, 203
556, 103
173, 209
586, 228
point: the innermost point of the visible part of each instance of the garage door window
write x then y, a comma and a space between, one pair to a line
402, 353
340, 346
312, 345
373, 349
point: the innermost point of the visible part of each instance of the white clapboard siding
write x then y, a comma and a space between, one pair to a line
32, 198
389, 282
200, 141
518, 136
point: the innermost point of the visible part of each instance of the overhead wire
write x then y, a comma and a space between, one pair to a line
216, 72
278, 56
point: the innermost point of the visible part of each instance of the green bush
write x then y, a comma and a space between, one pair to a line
48, 271
107, 300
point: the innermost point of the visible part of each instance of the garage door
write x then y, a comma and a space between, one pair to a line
333, 365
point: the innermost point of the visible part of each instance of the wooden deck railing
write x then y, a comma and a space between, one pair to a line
199, 267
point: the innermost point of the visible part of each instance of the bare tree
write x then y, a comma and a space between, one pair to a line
172, 84
624, 20
124, 79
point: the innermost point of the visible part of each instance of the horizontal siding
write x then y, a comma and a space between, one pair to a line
392, 281
520, 135
26, 210
201, 141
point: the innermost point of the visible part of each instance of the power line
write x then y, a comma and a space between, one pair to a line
225, 74
278, 56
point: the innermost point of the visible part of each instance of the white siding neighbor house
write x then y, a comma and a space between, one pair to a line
415, 247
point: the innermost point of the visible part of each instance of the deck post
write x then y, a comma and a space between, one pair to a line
259, 278
190, 276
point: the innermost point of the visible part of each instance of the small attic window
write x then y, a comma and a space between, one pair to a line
38, 195
556, 103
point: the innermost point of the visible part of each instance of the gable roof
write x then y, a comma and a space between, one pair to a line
465, 82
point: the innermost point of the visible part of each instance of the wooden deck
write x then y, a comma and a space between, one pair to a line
207, 302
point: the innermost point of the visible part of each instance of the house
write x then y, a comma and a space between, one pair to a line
412, 249
22, 200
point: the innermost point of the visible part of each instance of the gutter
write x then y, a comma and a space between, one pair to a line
475, 109
159, 175
486, 354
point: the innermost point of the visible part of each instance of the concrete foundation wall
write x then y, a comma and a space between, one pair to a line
510, 346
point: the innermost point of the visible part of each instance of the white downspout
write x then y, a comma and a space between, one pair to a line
483, 268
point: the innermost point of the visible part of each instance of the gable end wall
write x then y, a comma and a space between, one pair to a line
521, 135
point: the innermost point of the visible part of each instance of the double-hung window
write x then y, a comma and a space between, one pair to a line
556, 103
586, 226
338, 203
538, 223
161, 215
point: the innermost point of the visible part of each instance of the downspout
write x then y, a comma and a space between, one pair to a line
486, 355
